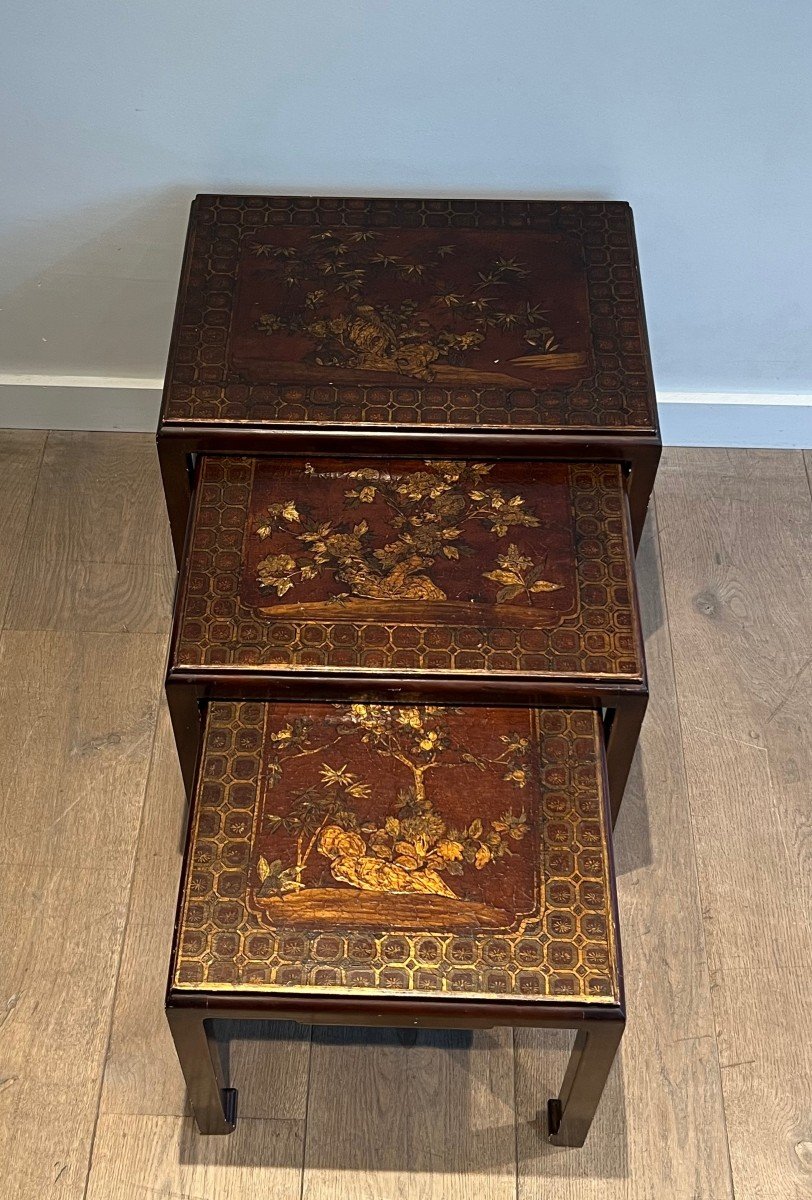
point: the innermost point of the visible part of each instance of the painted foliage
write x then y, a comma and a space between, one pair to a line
423, 306
398, 802
429, 515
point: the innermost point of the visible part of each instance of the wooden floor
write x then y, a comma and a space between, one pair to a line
712, 1097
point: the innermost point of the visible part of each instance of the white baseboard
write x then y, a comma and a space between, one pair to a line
771, 420
779, 421
79, 402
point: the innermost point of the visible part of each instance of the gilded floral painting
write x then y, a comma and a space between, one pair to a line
419, 306
414, 817
474, 540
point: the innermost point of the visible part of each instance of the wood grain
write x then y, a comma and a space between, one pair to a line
56, 984
20, 456
651, 1135
735, 531
77, 715
96, 556
146, 1158
384, 1118
76, 741
142, 1074
432, 1119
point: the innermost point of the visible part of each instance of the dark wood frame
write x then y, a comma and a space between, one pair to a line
599, 1029
179, 445
623, 702
624, 709
637, 448
598, 1026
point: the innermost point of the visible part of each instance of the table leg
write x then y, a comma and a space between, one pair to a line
213, 1102
177, 492
570, 1114
622, 731
640, 485
184, 711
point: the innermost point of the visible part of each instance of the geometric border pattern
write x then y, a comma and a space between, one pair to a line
203, 387
215, 629
569, 952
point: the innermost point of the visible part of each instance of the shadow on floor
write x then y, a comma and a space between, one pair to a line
430, 1101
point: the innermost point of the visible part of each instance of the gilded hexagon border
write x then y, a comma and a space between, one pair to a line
618, 396
569, 952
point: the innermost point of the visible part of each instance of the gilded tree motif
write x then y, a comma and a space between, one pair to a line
410, 848
332, 288
428, 511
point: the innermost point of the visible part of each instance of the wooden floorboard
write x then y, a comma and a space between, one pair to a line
735, 536
77, 721
712, 1095
660, 1130
96, 553
76, 741
433, 1119
164, 1158
21, 453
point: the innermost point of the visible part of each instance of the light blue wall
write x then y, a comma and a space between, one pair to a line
700, 114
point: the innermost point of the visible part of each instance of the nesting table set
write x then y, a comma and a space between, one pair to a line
407, 448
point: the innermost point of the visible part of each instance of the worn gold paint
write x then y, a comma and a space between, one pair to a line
247, 923
554, 600
410, 314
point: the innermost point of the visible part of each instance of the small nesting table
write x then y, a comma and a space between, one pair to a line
399, 865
